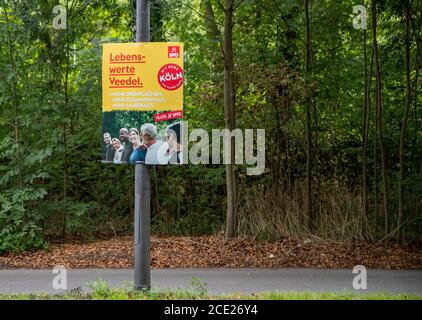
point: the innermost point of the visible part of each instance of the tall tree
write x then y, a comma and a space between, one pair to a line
14, 86
365, 144
405, 116
309, 205
379, 115
366, 112
229, 113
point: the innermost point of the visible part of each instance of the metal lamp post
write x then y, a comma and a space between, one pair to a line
142, 180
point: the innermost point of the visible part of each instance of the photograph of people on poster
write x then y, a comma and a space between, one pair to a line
131, 136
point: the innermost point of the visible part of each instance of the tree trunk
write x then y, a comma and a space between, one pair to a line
378, 98
418, 63
229, 112
14, 85
213, 33
365, 136
210, 24
66, 102
404, 120
309, 209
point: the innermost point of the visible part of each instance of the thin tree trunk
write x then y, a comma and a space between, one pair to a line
365, 136
418, 62
14, 83
415, 111
368, 116
376, 191
316, 197
229, 111
309, 206
378, 98
213, 33
404, 120
66, 102
210, 23
416, 163
376, 200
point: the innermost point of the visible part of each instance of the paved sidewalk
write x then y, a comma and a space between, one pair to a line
220, 280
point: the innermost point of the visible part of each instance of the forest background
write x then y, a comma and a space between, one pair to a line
340, 106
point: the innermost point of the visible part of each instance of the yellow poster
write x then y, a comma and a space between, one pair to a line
142, 76
142, 103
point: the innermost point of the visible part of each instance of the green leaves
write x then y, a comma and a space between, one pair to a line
19, 230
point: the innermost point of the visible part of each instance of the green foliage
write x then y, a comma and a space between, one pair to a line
100, 289
199, 287
19, 230
190, 202
104, 293
53, 183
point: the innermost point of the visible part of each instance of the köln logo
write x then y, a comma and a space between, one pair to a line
170, 76
173, 51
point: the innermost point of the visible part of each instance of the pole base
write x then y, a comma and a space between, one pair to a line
142, 287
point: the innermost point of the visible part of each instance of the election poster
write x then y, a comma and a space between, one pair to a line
142, 103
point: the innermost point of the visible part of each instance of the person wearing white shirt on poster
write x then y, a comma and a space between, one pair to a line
157, 149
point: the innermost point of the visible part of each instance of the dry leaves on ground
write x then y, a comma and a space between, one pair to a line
214, 251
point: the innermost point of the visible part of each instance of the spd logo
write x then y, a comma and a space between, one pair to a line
173, 51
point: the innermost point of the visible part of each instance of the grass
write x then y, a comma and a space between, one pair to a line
186, 295
101, 291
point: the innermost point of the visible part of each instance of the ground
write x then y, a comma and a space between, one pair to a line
214, 251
